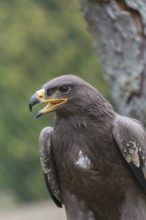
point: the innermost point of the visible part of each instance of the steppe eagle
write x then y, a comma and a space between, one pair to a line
93, 159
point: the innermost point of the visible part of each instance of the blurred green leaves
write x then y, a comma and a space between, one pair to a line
39, 40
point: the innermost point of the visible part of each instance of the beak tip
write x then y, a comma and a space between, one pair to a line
30, 107
38, 115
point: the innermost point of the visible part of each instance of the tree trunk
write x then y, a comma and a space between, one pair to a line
118, 28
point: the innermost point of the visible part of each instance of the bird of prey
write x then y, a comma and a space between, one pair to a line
93, 159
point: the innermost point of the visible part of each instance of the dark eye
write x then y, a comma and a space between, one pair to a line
65, 89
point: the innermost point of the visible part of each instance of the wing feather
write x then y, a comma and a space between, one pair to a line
130, 137
48, 165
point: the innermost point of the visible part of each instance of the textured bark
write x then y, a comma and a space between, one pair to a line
118, 29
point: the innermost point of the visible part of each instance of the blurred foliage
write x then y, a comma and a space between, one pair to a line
40, 39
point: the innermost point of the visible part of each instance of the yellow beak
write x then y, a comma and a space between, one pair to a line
39, 97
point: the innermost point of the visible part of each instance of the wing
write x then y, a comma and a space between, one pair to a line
48, 165
130, 137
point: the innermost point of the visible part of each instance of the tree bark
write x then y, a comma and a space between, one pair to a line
118, 28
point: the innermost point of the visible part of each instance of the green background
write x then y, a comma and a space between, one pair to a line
39, 40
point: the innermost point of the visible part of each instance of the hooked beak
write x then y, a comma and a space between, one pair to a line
39, 97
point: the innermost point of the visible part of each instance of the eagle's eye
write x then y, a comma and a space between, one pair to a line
65, 89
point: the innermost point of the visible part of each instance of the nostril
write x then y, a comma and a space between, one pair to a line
40, 94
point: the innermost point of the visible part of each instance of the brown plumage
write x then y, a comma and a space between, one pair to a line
94, 160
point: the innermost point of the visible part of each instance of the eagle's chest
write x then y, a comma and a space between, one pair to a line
75, 167
79, 158
72, 153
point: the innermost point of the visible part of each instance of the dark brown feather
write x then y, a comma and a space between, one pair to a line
130, 137
48, 165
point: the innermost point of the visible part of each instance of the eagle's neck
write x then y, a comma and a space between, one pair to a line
84, 120
71, 121
88, 113
81, 117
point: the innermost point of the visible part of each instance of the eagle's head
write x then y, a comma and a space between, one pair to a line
67, 94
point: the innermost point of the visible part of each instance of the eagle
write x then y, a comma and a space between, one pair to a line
93, 159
